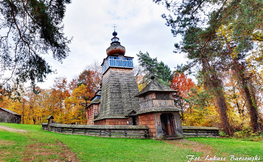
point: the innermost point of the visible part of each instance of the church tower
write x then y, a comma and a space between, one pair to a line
118, 104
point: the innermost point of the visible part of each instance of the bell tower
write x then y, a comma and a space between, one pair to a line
118, 87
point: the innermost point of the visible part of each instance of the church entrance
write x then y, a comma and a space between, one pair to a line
135, 120
168, 127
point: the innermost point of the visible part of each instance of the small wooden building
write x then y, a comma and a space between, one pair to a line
8, 116
157, 111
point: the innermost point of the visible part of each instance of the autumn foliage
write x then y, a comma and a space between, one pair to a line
65, 101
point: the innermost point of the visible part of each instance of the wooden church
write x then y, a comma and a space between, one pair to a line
119, 101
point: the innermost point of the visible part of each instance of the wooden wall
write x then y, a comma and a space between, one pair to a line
90, 115
156, 100
117, 95
9, 118
148, 120
100, 122
112, 122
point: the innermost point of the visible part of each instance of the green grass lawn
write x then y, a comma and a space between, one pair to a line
236, 147
38, 145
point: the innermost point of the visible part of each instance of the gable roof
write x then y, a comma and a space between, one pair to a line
155, 86
50, 117
9, 111
130, 113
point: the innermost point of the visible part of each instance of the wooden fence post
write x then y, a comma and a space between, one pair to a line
49, 122
109, 133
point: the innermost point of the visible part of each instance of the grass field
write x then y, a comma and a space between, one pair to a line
38, 145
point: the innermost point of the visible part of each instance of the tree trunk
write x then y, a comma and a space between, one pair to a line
214, 85
218, 92
248, 95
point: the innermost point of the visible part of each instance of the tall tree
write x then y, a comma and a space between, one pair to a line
59, 93
238, 64
244, 17
202, 55
32, 28
151, 66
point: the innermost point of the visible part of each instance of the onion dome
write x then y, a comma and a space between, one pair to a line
115, 47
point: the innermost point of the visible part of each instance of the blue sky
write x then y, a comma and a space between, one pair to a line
139, 24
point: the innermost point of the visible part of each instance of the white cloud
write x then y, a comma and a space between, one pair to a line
139, 27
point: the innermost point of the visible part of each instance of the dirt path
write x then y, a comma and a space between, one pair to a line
12, 129
195, 146
38, 151
57, 152
208, 152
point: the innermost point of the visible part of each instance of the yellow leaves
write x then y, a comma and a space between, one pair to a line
81, 93
140, 82
226, 33
257, 36
141, 86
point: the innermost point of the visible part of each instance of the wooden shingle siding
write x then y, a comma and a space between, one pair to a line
117, 96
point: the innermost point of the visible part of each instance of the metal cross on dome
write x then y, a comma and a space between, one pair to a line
114, 26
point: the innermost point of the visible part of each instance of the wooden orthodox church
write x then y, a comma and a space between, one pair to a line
119, 101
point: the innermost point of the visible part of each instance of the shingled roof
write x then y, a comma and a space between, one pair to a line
9, 111
154, 86
95, 99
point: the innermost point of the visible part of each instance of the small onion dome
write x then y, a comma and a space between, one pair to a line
116, 48
114, 33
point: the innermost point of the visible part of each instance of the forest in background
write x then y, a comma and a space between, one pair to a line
222, 40
67, 100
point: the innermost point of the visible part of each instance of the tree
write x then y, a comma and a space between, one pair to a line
59, 93
238, 64
91, 79
151, 67
77, 103
202, 56
201, 110
182, 85
32, 28
191, 17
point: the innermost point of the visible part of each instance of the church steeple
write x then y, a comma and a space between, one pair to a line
115, 47
115, 39
115, 56
118, 86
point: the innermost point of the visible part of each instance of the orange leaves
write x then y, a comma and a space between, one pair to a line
182, 83
91, 79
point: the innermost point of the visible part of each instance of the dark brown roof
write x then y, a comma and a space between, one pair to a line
50, 117
94, 101
155, 86
9, 111
159, 109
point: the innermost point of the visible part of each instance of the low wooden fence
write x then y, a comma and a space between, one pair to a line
192, 131
117, 131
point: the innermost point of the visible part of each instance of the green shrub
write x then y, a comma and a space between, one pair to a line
247, 134
223, 134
